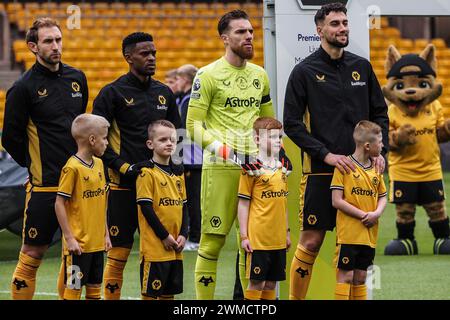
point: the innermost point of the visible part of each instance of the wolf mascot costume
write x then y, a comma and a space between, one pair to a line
416, 127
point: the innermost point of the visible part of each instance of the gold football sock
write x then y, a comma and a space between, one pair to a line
206, 265
148, 297
252, 294
269, 295
72, 294
342, 291
113, 274
301, 272
166, 297
24, 278
93, 293
359, 292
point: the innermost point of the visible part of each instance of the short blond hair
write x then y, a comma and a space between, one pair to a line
158, 123
366, 131
87, 124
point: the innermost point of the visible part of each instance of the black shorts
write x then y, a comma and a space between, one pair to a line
316, 210
416, 192
40, 222
266, 265
354, 256
122, 217
86, 268
161, 278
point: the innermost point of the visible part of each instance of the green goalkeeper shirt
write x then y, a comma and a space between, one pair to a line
225, 101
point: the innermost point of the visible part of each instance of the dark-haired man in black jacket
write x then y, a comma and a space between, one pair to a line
327, 94
130, 104
40, 108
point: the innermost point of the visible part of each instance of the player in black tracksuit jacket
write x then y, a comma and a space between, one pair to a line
40, 108
130, 104
324, 101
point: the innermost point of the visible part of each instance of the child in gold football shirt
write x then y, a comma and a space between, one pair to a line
80, 207
162, 216
262, 215
360, 198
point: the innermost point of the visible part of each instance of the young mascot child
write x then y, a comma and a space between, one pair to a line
360, 198
262, 214
161, 196
81, 209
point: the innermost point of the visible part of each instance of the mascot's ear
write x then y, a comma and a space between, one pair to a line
429, 55
392, 57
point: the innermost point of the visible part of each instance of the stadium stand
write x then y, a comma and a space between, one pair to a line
183, 33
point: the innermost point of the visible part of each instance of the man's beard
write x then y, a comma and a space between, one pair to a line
242, 53
49, 60
337, 44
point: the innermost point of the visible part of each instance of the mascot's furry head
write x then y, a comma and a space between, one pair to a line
412, 82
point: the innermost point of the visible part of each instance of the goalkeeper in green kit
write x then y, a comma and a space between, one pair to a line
227, 96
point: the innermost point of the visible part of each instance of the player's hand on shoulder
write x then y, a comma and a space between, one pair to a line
135, 169
286, 164
170, 243
177, 169
251, 165
181, 240
379, 164
341, 162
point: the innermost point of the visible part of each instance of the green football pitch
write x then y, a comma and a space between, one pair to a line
412, 277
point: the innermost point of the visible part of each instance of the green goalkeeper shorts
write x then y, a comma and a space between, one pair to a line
219, 198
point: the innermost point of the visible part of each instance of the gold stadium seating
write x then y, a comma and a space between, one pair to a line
184, 33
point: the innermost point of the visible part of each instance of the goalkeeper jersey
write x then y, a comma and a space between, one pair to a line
233, 98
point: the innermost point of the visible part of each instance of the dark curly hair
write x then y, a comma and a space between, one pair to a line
129, 42
326, 9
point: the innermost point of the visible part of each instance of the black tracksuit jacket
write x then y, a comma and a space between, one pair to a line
40, 108
324, 101
130, 106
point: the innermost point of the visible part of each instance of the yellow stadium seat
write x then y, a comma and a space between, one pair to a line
117, 5
32, 6
391, 32
101, 5
151, 6
421, 43
168, 5
405, 44
233, 5
439, 43
49, 5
